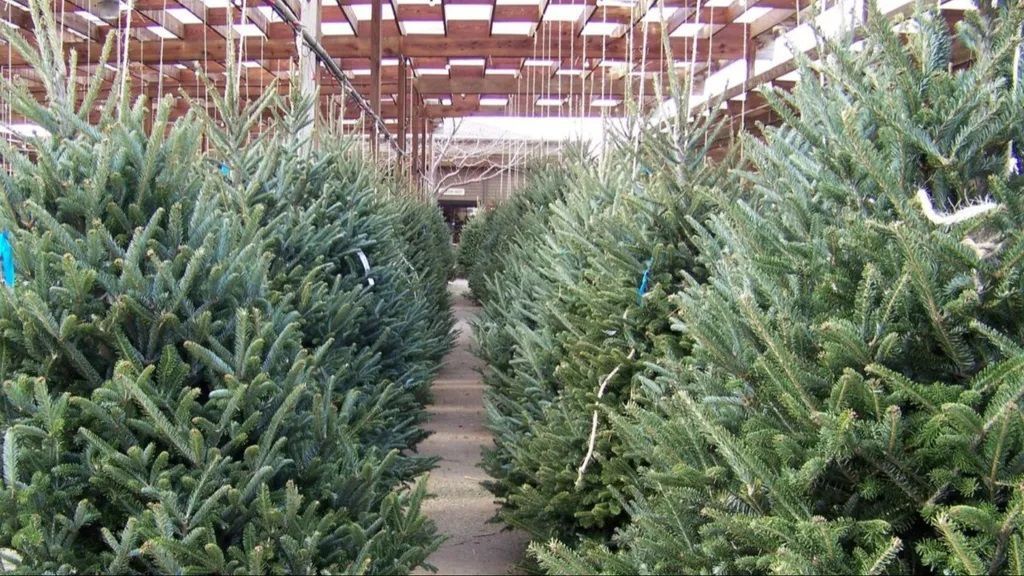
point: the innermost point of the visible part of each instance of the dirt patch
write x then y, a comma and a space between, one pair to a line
462, 508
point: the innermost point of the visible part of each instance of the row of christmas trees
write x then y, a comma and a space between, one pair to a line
812, 363
212, 361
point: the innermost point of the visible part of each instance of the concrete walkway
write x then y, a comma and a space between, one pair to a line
462, 508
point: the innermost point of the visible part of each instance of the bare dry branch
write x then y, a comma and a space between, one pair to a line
462, 161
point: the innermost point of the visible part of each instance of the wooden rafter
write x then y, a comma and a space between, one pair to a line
434, 37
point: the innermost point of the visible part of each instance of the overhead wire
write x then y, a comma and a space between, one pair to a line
286, 14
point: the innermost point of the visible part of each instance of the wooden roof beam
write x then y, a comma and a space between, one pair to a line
722, 46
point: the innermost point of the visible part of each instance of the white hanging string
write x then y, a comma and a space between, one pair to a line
124, 53
637, 133
707, 69
241, 49
748, 71
160, 71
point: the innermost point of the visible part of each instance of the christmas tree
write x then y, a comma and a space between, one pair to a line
166, 405
575, 312
370, 267
850, 400
488, 236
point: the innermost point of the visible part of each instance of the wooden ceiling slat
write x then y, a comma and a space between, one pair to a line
722, 46
561, 41
516, 13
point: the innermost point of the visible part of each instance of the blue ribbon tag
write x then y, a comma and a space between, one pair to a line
7, 257
645, 282
224, 170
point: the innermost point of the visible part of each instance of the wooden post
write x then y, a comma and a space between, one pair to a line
309, 81
375, 41
414, 152
403, 98
424, 161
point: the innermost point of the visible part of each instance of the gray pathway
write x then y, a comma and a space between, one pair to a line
462, 508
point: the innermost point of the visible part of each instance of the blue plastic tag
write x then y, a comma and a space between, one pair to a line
7, 257
224, 170
645, 282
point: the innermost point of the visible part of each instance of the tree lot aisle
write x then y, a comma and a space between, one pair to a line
463, 508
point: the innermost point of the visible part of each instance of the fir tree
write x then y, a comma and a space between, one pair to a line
575, 312
851, 400
165, 407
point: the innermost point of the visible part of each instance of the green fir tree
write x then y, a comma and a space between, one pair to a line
166, 405
850, 402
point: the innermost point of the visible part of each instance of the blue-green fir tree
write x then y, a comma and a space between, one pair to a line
165, 406
850, 401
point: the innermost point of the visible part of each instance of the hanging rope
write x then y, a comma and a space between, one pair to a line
206, 68
160, 74
747, 73
124, 53
241, 48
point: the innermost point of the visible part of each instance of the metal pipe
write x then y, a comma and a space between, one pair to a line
286, 14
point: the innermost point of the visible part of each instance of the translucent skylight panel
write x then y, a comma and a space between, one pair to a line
494, 101
719, 3
246, 30
752, 15
389, 61
365, 11
570, 72
657, 14
513, 28
90, 17
467, 62
564, 12
431, 27
217, 3
161, 32
733, 74
251, 64
431, 71
467, 11
605, 102
537, 62
501, 72
269, 13
183, 15
518, 3
335, 29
